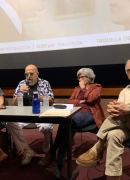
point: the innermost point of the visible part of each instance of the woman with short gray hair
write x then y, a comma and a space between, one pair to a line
86, 95
87, 72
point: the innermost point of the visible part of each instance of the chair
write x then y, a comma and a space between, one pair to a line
78, 148
92, 128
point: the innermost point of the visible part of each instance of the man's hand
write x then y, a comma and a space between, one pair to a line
118, 109
24, 88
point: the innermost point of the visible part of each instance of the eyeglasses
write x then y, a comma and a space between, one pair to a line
82, 77
29, 74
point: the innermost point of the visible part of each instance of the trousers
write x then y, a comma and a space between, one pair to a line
114, 132
17, 136
16, 132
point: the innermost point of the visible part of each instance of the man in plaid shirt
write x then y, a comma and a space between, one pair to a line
26, 87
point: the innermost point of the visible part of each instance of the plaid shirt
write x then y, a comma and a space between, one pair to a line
43, 88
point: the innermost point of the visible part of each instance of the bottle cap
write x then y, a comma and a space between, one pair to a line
35, 92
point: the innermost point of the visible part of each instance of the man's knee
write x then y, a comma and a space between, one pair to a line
45, 128
12, 125
116, 136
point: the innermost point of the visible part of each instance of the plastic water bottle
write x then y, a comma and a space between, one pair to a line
20, 100
45, 102
35, 103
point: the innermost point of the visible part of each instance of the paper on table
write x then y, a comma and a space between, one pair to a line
58, 112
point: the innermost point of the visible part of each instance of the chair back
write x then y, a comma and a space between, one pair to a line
127, 143
90, 128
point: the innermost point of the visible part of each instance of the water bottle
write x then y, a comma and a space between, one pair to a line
45, 102
20, 100
35, 103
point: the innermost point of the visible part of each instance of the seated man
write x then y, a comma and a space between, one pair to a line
3, 155
113, 132
27, 87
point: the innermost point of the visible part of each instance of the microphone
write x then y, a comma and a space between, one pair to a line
27, 84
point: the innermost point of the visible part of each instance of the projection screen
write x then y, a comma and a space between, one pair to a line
45, 29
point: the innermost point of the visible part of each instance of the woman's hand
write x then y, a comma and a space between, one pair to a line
82, 84
82, 101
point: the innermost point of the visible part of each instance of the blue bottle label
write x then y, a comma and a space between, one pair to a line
36, 105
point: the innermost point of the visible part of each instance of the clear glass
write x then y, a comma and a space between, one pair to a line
46, 102
20, 100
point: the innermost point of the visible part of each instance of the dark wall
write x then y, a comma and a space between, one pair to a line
104, 55
107, 62
107, 75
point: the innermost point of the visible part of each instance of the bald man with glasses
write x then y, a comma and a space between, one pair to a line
26, 87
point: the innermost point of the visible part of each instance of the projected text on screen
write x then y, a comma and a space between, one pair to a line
41, 25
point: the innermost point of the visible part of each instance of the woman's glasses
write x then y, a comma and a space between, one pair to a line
82, 77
